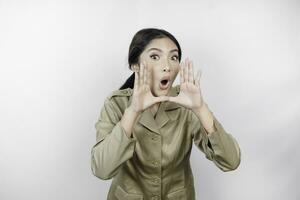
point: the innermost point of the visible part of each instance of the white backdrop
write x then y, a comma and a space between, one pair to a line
60, 59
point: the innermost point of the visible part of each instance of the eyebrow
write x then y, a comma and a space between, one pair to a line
161, 50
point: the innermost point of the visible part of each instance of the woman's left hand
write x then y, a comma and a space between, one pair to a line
190, 93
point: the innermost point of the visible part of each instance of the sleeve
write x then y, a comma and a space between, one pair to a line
218, 146
113, 147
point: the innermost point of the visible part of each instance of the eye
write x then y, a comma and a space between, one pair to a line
154, 56
175, 58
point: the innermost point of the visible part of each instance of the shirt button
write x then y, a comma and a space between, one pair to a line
154, 162
154, 198
154, 138
155, 180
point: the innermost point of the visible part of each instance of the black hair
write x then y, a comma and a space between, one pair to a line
139, 42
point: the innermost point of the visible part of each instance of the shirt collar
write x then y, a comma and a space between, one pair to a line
146, 117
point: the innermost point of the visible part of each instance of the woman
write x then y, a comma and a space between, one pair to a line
146, 128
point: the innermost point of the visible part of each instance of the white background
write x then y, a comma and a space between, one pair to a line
60, 59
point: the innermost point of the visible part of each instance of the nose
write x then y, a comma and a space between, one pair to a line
166, 65
166, 69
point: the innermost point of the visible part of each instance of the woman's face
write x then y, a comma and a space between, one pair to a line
161, 58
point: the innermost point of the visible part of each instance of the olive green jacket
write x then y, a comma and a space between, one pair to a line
155, 163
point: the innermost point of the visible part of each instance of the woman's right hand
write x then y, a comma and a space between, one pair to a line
142, 96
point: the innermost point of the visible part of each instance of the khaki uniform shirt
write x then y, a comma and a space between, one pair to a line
155, 163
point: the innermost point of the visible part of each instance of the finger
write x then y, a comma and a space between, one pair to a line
147, 81
193, 75
160, 99
181, 73
148, 77
173, 99
197, 80
136, 79
191, 72
141, 75
185, 71
200, 75
145, 75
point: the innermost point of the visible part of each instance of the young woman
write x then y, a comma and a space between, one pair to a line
146, 128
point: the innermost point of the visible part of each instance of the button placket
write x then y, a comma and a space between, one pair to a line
154, 138
155, 198
155, 180
155, 163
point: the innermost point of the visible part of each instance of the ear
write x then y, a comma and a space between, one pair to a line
134, 67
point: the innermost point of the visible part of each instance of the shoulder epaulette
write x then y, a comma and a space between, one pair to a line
123, 92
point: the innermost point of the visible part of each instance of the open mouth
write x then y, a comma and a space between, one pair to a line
164, 84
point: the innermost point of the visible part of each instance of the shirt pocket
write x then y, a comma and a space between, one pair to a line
121, 194
177, 195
